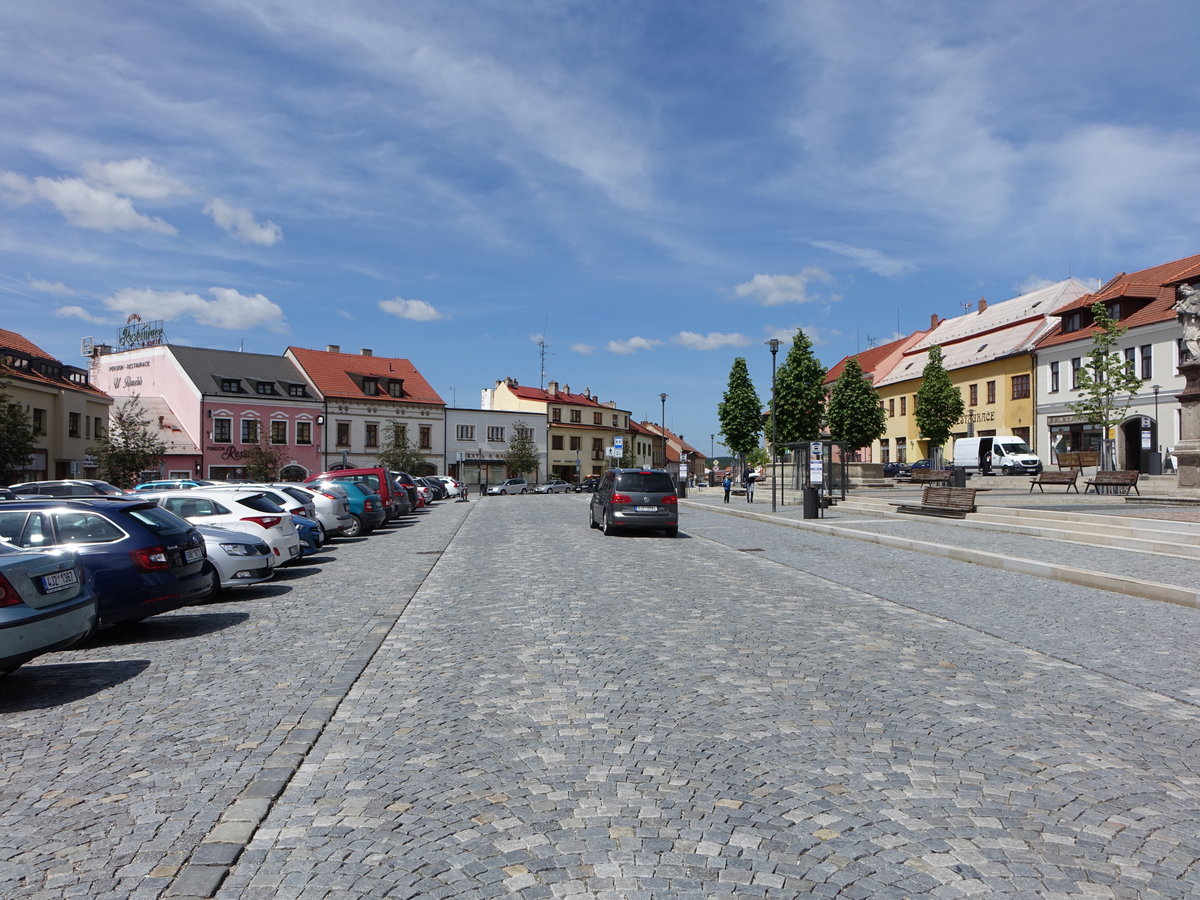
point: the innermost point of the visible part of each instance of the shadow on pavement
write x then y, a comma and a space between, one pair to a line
42, 687
168, 627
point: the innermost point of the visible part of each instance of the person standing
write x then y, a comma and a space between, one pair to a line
728, 485
751, 477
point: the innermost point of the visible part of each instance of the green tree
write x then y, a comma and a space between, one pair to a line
16, 438
939, 403
399, 454
799, 394
1107, 382
740, 411
522, 456
131, 446
262, 461
855, 414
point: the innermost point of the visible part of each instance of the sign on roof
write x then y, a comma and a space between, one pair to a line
135, 333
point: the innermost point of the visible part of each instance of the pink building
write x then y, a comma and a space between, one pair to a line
213, 405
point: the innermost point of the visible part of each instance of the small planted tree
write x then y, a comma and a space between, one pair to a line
16, 438
262, 461
799, 394
939, 403
132, 445
740, 411
399, 454
522, 455
854, 414
1107, 384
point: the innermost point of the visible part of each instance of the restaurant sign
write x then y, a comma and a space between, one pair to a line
135, 333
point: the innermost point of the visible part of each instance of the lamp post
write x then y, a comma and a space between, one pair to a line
662, 426
773, 343
1157, 446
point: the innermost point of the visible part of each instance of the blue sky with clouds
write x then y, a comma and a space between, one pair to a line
655, 187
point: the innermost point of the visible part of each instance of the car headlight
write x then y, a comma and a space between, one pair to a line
240, 549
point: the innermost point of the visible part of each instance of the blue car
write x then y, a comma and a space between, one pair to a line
142, 560
366, 509
312, 535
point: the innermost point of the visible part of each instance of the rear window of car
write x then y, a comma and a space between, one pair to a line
78, 527
260, 503
159, 521
649, 482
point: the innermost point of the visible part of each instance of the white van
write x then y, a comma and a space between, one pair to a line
1007, 454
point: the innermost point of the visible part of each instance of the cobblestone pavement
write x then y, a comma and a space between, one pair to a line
745, 711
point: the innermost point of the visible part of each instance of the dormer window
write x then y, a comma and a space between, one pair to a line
297, 390
232, 386
370, 386
1072, 321
265, 387
395, 388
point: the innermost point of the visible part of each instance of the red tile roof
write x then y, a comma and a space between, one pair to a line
10, 340
871, 359
532, 393
13, 341
331, 373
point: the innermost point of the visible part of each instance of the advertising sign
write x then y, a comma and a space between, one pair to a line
135, 333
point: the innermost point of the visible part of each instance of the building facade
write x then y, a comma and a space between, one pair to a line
477, 442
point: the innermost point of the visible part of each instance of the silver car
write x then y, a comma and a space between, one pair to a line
45, 603
332, 505
237, 558
553, 486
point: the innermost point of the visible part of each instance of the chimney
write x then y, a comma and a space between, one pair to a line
332, 348
552, 387
367, 352
933, 321
982, 304
566, 389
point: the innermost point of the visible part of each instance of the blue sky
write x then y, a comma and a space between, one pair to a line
654, 187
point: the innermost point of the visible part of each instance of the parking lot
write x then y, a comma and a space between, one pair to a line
496, 700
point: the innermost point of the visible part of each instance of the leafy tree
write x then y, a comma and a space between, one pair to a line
16, 438
399, 454
522, 455
1106, 382
799, 394
757, 458
131, 446
855, 415
740, 411
939, 402
263, 461
629, 457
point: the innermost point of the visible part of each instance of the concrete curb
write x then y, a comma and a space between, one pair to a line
1120, 584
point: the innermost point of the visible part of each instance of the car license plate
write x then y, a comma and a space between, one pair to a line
293, 551
193, 554
646, 508
59, 581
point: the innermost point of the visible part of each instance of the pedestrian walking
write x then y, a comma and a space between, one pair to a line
751, 477
728, 485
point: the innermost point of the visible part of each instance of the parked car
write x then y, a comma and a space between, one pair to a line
895, 470
237, 558
635, 498
453, 488
46, 603
588, 484
553, 486
242, 509
921, 465
366, 508
311, 534
332, 504
171, 485
142, 560
437, 487
425, 493
509, 486
379, 480
410, 485
70, 487
287, 497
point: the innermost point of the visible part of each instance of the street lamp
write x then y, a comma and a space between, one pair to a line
773, 343
662, 426
1157, 446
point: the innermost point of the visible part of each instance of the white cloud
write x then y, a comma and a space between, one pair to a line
714, 340
57, 288
229, 309
241, 223
775, 290
585, 349
817, 336
633, 345
134, 178
78, 312
417, 310
83, 204
871, 260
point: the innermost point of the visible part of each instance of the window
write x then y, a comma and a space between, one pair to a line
278, 432
370, 386
1182, 352
265, 387
372, 435
297, 390
249, 431
525, 434
991, 392
597, 448
901, 450
395, 388
39, 421
974, 391
400, 435
304, 432
597, 418
1076, 365
1130, 360
577, 416
904, 406
464, 432
73, 424
576, 443
891, 406
556, 442
1072, 321
616, 419
1054, 377
495, 432
1020, 387
556, 415
885, 450
87, 426
222, 431
232, 385
425, 437
1147, 352
343, 434
98, 429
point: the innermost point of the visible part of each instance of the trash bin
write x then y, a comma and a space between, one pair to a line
958, 476
812, 503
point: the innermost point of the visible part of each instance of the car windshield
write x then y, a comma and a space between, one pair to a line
1013, 448
160, 521
650, 482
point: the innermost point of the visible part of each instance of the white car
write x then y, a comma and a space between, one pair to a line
332, 504
242, 509
287, 497
452, 487
239, 558
553, 486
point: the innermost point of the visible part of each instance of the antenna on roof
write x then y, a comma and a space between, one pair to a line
967, 307
543, 351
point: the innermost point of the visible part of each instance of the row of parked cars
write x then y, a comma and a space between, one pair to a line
77, 555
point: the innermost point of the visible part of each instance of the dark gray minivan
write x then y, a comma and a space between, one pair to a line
635, 498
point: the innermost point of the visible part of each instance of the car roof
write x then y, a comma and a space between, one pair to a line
99, 502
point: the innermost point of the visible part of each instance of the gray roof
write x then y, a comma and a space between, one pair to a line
208, 368
170, 428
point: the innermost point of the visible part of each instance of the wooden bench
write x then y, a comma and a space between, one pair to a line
931, 476
1116, 479
950, 502
1067, 478
1078, 459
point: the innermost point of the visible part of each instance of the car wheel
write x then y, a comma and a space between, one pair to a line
523, 491
592, 519
354, 529
609, 530
1005, 470
214, 581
